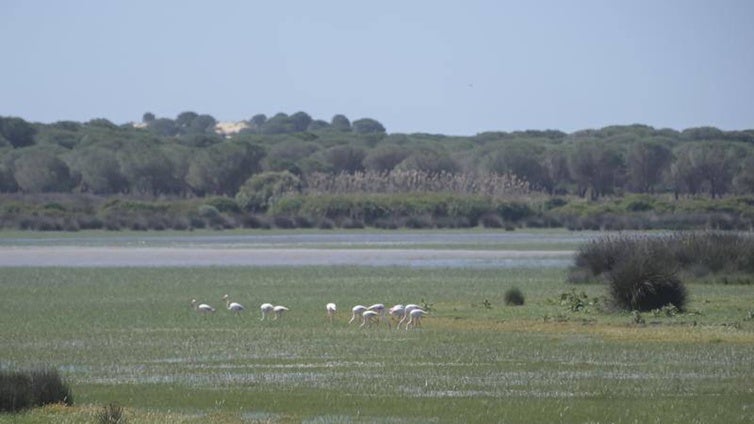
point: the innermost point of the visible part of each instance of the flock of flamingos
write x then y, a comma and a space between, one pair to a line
409, 316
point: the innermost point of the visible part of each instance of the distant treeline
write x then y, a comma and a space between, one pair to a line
265, 160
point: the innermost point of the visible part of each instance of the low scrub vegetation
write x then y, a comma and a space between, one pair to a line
111, 413
283, 208
646, 272
513, 297
20, 390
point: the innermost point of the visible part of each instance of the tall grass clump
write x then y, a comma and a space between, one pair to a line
25, 389
111, 413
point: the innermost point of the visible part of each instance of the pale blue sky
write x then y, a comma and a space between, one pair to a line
452, 67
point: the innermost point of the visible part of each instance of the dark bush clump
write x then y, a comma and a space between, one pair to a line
15, 391
513, 297
48, 387
25, 389
641, 272
641, 283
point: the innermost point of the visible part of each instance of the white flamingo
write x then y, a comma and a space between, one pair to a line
407, 312
202, 308
380, 309
416, 318
397, 312
331, 310
369, 317
357, 310
266, 308
279, 310
233, 306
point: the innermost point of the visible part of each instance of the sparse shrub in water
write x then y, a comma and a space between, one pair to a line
513, 297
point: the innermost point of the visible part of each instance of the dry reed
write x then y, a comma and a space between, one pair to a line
414, 181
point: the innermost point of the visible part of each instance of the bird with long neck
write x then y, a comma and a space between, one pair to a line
279, 310
266, 308
201, 308
233, 306
331, 310
357, 311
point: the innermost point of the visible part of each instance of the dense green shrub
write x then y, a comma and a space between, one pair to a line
261, 191
25, 389
15, 391
645, 272
644, 278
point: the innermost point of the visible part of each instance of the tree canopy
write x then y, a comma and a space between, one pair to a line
186, 156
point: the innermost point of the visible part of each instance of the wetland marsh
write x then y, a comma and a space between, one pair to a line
128, 335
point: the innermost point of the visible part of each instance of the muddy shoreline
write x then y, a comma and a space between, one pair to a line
118, 256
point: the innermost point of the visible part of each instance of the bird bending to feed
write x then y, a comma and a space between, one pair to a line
331, 310
233, 306
279, 310
266, 308
202, 308
397, 312
357, 311
380, 309
370, 317
415, 319
407, 313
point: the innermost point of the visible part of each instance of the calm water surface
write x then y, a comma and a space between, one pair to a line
426, 249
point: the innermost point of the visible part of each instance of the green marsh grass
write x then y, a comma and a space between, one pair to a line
129, 336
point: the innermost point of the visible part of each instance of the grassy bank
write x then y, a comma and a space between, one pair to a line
129, 336
413, 210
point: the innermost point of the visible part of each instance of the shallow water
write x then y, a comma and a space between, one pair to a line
76, 256
412, 249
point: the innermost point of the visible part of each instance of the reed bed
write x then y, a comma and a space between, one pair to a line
415, 181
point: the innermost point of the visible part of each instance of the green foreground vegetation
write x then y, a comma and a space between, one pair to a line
128, 336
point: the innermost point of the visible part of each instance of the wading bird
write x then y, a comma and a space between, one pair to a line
369, 317
331, 310
357, 310
233, 306
397, 312
380, 309
279, 310
266, 308
202, 308
415, 319
407, 313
